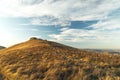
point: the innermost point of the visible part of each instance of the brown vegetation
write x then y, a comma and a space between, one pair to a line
39, 59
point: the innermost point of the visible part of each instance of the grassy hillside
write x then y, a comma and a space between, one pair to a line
38, 59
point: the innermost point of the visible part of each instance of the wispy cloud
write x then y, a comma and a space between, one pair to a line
81, 35
103, 31
31, 2
50, 20
21, 29
63, 10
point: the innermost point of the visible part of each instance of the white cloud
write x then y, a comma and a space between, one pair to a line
62, 12
78, 35
59, 9
107, 24
50, 20
21, 29
31, 2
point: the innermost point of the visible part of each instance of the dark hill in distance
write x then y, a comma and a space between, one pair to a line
1, 47
38, 59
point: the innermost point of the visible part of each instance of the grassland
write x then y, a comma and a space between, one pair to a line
38, 59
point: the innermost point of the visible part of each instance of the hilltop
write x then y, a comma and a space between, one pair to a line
38, 59
36, 43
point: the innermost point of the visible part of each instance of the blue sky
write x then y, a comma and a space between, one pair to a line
78, 23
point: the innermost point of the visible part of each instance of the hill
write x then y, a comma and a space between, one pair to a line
38, 59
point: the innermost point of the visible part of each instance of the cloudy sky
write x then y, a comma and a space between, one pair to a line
79, 23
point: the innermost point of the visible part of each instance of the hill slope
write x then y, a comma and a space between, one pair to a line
38, 59
38, 43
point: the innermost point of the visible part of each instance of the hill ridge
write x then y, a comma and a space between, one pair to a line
36, 42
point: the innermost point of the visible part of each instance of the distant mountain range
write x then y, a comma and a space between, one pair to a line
111, 51
38, 59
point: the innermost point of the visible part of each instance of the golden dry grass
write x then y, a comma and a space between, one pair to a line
44, 60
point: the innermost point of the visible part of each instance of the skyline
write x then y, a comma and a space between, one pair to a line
82, 24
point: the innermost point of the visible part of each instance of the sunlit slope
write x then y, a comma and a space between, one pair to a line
38, 59
34, 42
